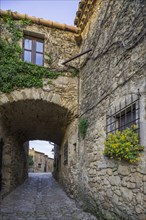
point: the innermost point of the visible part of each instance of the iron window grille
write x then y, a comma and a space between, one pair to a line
66, 153
124, 115
33, 50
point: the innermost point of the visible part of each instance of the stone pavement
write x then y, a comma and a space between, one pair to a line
40, 198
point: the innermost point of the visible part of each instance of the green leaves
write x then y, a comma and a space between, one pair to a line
14, 73
123, 145
15, 28
83, 125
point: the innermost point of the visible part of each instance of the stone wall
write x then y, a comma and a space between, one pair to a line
14, 164
42, 163
67, 172
59, 45
114, 69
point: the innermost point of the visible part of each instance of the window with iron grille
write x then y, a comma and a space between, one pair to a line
124, 115
33, 50
66, 153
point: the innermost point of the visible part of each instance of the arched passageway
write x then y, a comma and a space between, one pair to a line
35, 119
24, 120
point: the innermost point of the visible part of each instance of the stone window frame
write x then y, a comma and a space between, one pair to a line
66, 153
34, 37
124, 114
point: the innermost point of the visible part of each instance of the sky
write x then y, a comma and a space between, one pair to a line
62, 11
42, 146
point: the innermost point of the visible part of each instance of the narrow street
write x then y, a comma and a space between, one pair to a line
40, 198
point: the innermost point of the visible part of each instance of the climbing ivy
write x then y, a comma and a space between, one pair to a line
15, 73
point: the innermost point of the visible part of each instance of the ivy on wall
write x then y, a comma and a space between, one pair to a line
15, 73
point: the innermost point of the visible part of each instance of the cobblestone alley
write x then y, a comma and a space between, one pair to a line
40, 198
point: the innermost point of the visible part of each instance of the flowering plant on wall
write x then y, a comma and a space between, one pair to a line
123, 145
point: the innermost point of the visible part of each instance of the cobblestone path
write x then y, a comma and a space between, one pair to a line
40, 198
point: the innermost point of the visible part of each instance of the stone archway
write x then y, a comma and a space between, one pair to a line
35, 119
31, 114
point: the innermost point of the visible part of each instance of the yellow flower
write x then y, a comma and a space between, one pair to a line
123, 145
122, 137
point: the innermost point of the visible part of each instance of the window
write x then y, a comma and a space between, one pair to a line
124, 115
126, 118
39, 165
33, 50
66, 153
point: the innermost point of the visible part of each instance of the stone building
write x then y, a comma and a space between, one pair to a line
42, 163
40, 102
112, 85
108, 95
113, 78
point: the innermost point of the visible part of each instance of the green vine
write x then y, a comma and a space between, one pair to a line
16, 73
83, 125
